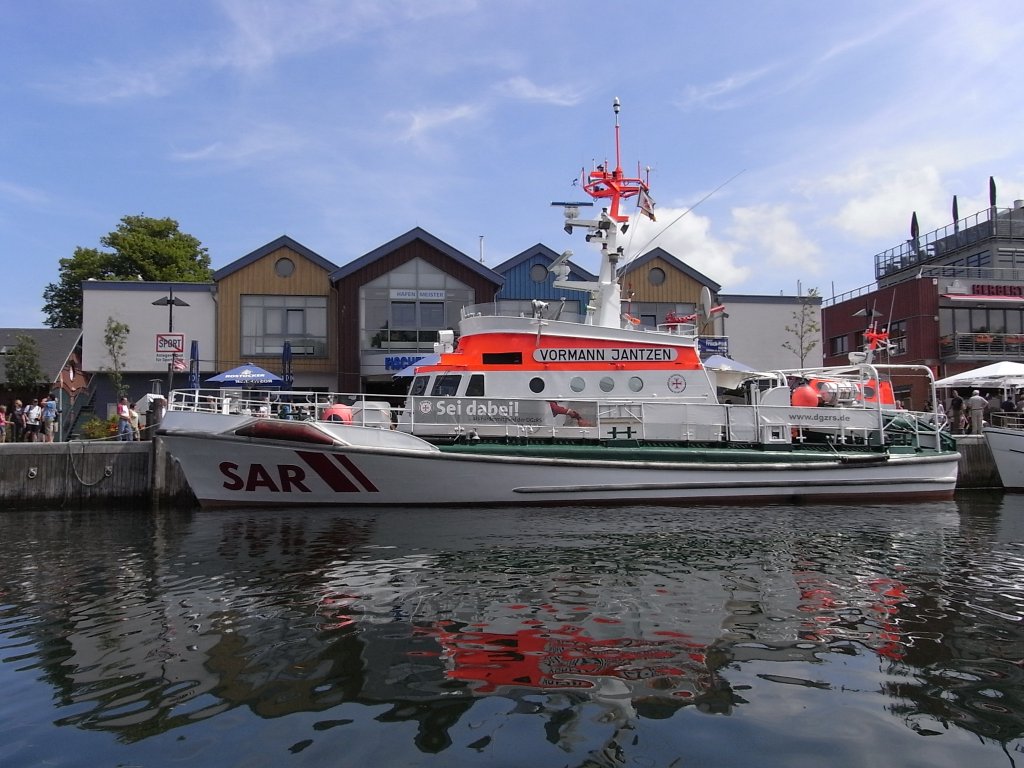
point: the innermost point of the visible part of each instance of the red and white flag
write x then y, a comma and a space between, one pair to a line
646, 205
178, 364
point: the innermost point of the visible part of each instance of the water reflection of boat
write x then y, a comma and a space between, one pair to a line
588, 627
542, 408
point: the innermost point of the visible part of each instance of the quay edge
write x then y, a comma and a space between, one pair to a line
90, 474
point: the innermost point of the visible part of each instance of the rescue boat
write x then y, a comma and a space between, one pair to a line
548, 407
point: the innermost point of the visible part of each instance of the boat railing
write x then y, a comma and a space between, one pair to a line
545, 311
359, 409
1007, 419
678, 420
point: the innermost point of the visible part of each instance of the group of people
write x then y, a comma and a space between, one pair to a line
34, 421
127, 421
967, 416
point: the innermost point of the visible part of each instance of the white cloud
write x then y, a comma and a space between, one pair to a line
420, 124
19, 193
255, 145
721, 94
770, 235
688, 237
525, 89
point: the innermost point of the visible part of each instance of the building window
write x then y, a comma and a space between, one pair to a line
656, 276
898, 338
284, 267
269, 321
538, 273
838, 345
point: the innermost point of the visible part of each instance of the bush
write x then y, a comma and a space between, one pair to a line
97, 429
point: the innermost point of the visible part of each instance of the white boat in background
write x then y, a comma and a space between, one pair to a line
549, 408
1005, 438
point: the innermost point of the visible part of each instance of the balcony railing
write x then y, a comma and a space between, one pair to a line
983, 345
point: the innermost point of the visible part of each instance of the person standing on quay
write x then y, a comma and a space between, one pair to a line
124, 420
49, 419
956, 414
17, 422
976, 405
33, 414
3, 423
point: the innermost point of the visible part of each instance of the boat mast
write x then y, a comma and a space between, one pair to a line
610, 188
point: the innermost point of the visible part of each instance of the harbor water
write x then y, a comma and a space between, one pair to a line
646, 636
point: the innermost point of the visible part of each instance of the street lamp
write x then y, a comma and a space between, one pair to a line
170, 301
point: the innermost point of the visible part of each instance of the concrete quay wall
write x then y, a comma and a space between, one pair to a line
89, 474
977, 467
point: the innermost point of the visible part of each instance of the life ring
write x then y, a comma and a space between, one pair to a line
338, 412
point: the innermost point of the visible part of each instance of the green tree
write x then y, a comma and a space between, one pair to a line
805, 329
115, 337
142, 248
23, 369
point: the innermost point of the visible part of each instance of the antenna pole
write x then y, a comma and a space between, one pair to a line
616, 106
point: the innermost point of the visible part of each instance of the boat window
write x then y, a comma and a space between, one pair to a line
446, 385
636, 383
419, 385
476, 385
503, 358
607, 384
537, 384
577, 384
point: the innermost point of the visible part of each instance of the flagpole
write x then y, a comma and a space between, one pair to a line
171, 301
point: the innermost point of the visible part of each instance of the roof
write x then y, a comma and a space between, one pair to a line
542, 250
661, 253
55, 347
282, 242
146, 285
746, 298
416, 233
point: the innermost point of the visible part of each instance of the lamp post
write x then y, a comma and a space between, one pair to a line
170, 301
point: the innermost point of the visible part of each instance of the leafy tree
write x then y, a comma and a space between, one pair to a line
23, 368
115, 337
806, 330
142, 248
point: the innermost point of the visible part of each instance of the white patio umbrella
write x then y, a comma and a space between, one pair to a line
1003, 375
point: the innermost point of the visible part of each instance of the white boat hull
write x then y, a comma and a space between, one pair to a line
389, 468
1007, 446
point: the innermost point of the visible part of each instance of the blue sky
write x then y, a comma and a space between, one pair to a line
345, 124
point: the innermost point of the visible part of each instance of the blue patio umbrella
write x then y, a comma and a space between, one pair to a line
247, 375
193, 365
286, 366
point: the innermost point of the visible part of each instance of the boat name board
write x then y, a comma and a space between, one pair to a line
458, 410
605, 355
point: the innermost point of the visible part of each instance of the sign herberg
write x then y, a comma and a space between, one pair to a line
605, 355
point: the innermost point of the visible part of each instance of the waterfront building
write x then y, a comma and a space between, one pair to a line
279, 292
952, 299
163, 319
393, 301
60, 363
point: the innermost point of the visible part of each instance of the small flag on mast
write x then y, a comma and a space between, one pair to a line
646, 204
178, 364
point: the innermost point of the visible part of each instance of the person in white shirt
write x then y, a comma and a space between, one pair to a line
33, 413
976, 405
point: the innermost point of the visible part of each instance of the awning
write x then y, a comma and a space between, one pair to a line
981, 298
410, 370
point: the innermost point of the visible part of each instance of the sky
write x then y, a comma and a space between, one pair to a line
788, 142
